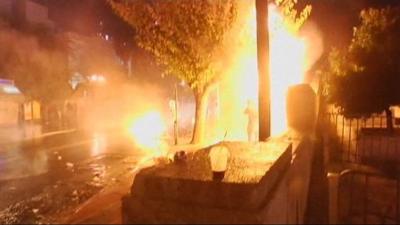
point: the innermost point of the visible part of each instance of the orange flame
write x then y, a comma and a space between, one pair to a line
148, 131
287, 66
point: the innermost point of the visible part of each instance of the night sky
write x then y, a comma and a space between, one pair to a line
335, 19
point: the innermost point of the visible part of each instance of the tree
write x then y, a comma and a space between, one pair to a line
363, 78
184, 37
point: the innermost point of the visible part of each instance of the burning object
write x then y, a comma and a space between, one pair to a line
147, 131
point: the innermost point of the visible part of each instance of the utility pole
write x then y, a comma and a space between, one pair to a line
176, 115
264, 107
130, 65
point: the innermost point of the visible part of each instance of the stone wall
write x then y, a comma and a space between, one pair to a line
280, 196
289, 200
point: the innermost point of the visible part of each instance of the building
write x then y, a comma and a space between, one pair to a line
21, 12
11, 101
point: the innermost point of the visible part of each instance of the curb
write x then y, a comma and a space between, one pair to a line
105, 206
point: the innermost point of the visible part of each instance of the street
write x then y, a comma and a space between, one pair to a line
44, 180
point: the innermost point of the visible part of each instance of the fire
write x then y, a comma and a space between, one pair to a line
287, 66
241, 83
148, 131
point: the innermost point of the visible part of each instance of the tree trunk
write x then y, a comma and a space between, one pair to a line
389, 119
263, 70
200, 117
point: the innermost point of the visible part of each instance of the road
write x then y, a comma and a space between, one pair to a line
44, 180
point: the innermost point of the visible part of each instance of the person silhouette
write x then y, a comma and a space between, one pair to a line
252, 115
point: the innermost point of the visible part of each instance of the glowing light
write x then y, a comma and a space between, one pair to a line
287, 66
242, 79
11, 90
97, 78
99, 144
147, 131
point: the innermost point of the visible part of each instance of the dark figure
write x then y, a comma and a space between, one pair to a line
252, 115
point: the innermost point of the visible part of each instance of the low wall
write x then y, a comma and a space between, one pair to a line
279, 196
289, 201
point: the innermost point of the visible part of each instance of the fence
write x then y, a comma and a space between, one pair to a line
366, 140
368, 198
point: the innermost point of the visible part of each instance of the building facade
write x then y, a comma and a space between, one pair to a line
22, 12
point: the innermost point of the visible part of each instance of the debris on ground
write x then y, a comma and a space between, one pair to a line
61, 198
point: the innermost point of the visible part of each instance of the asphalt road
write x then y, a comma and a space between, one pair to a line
44, 180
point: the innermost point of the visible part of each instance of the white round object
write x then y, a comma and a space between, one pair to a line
219, 158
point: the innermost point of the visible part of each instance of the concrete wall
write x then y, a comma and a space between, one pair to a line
280, 198
289, 201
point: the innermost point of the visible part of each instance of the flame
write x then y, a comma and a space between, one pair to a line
242, 78
148, 131
287, 66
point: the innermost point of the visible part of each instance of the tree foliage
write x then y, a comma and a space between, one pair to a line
363, 78
293, 19
182, 35
185, 38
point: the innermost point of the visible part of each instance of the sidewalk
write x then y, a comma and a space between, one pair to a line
105, 207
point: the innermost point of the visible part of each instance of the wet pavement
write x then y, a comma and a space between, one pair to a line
45, 180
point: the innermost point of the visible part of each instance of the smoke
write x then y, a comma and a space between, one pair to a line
117, 104
314, 42
36, 61
41, 70
313, 37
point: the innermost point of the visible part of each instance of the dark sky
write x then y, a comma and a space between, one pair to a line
336, 18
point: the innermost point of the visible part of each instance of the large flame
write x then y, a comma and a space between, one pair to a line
241, 83
148, 131
287, 66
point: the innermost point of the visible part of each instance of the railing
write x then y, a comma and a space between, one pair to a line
368, 198
366, 140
